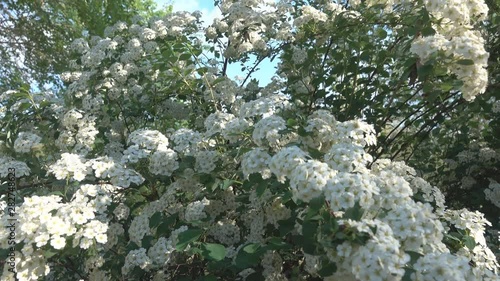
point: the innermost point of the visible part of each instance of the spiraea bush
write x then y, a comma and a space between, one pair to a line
155, 165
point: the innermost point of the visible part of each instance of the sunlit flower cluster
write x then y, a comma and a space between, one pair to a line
212, 172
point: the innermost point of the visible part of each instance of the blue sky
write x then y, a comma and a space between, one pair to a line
209, 12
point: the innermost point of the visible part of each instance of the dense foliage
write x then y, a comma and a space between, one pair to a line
155, 165
34, 34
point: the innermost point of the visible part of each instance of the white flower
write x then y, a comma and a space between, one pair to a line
58, 242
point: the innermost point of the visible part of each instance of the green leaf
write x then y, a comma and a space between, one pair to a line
255, 178
248, 256
309, 234
147, 241
24, 106
366, 55
291, 122
425, 70
302, 132
261, 188
469, 242
166, 225
445, 87
327, 269
49, 253
277, 243
381, 33
214, 252
317, 203
428, 31
226, 184
131, 246
256, 276
286, 226
354, 213
465, 62
187, 237
414, 256
315, 153
155, 220
209, 278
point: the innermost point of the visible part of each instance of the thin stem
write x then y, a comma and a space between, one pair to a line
323, 62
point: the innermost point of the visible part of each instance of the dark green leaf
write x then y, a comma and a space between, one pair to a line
147, 241
465, 62
155, 220
261, 188
327, 269
424, 71
187, 237
428, 31
248, 256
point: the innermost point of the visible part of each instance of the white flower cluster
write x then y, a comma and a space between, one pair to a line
285, 161
26, 141
322, 125
8, 165
256, 161
310, 13
185, 141
264, 106
133, 154
267, 131
458, 11
235, 128
138, 228
358, 132
457, 39
345, 189
347, 157
121, 211
442, 266
273, 266
163, 161
147, 139
44, 220
226, 232
28, 268
194, 210
105, 167
216, 122
114, 231
380, 258
308, 180
160, 251
79, 133
206, 161
246, 25
136, 258
70, 165
473, 221
492, 193
276, 211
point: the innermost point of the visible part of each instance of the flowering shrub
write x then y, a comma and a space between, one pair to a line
163, 168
